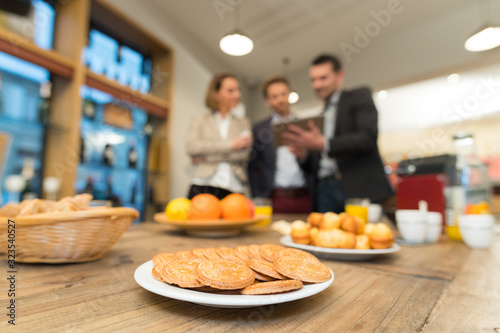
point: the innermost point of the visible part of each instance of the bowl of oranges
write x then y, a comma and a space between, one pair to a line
207, 216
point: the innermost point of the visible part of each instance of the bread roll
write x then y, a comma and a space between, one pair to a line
10, 210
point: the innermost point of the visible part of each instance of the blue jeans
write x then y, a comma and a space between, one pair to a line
330, 196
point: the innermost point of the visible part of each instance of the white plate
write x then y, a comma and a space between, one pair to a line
145, 279
340, 254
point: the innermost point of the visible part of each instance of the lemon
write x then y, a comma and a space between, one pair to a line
177, 209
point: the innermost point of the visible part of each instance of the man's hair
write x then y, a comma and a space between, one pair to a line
214, 87
328, 59
272, 80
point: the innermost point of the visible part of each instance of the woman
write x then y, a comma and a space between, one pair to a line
219, 143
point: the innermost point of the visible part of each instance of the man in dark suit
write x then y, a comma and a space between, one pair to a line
274, 172
344, 158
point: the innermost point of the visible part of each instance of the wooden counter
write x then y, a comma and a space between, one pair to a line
444, 287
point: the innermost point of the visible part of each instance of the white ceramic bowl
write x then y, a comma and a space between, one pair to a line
412, 225
476, 230
434, 226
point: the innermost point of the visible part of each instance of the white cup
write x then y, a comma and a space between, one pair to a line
374, 213
476, 230
412, 224
434, 226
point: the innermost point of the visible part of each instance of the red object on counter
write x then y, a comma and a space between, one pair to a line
429, 187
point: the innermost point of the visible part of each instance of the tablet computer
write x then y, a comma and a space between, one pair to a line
280, 128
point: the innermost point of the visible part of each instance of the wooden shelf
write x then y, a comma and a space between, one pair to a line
150, 103
24, 49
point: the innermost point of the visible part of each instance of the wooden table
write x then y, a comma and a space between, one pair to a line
445, 287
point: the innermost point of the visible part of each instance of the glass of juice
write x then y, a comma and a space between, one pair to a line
263, 206
358, 207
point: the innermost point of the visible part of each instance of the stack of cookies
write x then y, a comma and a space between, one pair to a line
342, 231
249, 270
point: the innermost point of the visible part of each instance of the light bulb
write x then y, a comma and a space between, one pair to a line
293, 97
236, 44
485, 39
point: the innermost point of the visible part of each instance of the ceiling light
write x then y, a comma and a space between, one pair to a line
236, 44
293, 97
486, 39
453, 78
382, 94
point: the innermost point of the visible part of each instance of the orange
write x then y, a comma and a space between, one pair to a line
235, 206
479, 208
204, 207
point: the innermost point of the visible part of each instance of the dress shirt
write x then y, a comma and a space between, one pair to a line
327, 165
288, 173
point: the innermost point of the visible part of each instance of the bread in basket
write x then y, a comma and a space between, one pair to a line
64, 231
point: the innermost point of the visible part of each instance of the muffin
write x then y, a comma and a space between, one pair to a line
315, 219
362, 242
300, 232
313, 232
353, 224
369, 228
335, 238
381, 236
330, 221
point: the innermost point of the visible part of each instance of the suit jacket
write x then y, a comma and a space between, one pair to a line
204, 140
262, 163
354, 146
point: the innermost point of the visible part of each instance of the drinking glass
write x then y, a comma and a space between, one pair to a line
263, 206
358, 207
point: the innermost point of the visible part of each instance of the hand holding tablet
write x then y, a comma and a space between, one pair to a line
279, 129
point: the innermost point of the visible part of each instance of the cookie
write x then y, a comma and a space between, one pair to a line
266, 268
266, 251
182, 273
289, 252
262, 277
242, 252
161, 257
229, 254
303, 269
157, 271
211, 253
183, 254
224, 274
198, 253
272, 287
254, 252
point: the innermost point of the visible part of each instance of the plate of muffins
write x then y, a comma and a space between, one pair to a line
341, 237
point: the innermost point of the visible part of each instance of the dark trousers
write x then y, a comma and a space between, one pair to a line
292, 201
330, 196
217, 191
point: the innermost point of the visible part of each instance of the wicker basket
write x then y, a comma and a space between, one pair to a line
67, 237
